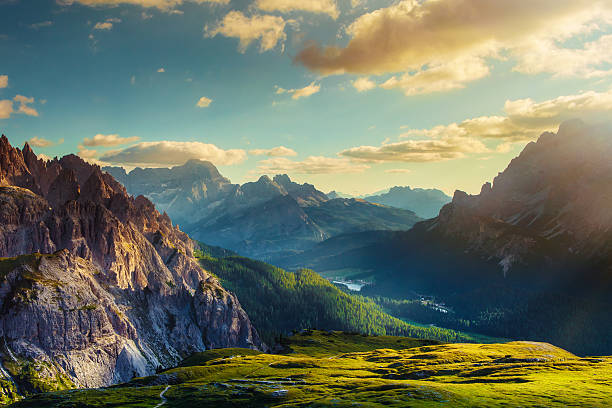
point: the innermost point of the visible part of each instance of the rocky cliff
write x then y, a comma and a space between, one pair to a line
117, 292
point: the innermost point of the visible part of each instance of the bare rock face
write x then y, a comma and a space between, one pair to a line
121, 294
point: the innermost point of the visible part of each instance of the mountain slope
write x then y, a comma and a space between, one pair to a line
118, 291
426, 203
279, 302
268, 219
529, 257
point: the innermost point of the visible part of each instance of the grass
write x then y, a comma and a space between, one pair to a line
337, 369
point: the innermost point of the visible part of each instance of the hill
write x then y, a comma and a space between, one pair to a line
338, 369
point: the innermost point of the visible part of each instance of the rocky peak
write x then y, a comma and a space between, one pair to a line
64, 188
122, 297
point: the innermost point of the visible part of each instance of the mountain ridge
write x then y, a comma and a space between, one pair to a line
109, 288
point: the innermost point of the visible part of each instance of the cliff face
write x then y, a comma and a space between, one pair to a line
122, 293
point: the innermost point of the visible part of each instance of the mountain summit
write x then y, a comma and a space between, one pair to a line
97, 286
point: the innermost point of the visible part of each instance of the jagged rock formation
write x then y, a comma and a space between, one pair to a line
267, 219
121, 293
426, 203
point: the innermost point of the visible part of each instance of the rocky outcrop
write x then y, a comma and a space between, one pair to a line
122, 293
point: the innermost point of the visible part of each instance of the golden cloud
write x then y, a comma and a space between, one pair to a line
169, 153
328, 7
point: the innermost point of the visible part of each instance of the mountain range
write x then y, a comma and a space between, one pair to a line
426, 203
528, 257
269, 219
97, 286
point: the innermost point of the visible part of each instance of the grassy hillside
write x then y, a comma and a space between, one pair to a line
279, 302
342, 370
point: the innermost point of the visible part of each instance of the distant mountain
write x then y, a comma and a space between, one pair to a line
426, 203
267, 219
336, 194
97, 286
528, 257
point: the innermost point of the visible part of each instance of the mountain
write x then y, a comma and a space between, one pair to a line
268, 219
426, 203
529, 257
97, 286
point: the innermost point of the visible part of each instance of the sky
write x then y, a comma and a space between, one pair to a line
350, 95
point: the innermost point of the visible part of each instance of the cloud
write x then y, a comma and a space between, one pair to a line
23, 102
108, 140
398, 171
311, 165
545, 56
204, 102
268, 30
305, 92
164, 5
103, 26
448, 42
438, 78
364, 84
169, 153
40, 142
3, 81
42, 24
161, 70
525, 119
6, 108
418, 151
328, 7
107, 24
85, 153
279, 151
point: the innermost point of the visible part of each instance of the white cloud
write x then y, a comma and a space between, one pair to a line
6, 108
164, 5
169, 153
298, 93
24, 107
3, 81
445, 148
40, 142
161, 70
311, 165
398, 171
328, 7
85, 153
438, 78
364, 84
103, 26
268, 30
280, 151
204, 102
524, 119
108, 140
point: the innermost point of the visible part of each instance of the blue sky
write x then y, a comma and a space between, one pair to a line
422, 93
